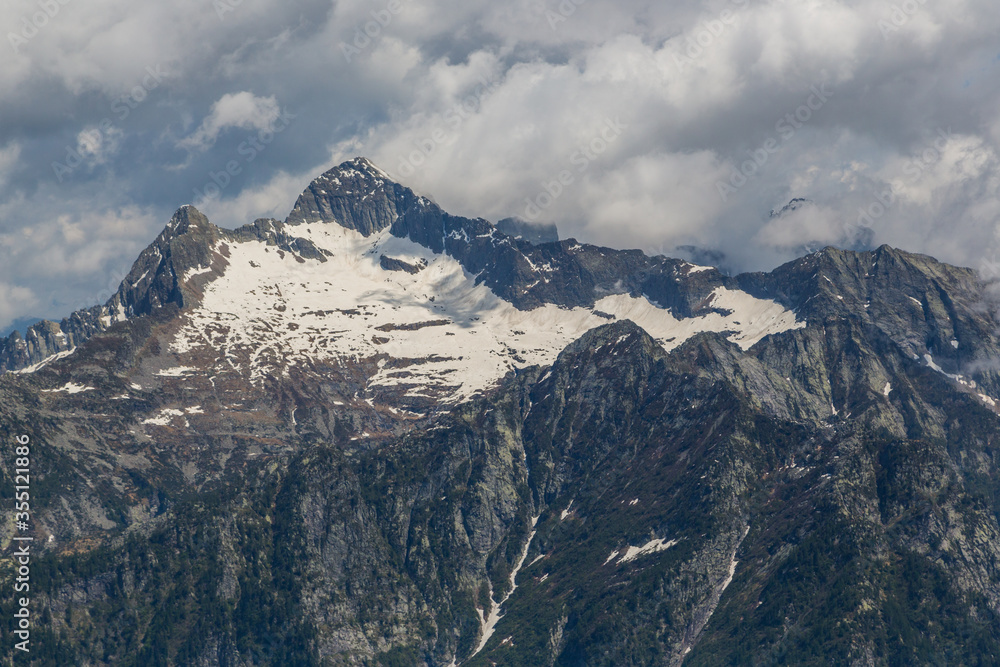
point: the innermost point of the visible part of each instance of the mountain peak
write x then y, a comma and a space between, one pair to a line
365, 166
186, 218
611, 339
356, 194
160, 275
793, 205
169, 271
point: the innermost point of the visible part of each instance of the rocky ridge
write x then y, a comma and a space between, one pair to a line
824, 492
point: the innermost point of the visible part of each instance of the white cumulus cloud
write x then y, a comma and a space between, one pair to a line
242, 110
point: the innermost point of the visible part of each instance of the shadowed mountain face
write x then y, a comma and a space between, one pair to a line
376, 433
529, 231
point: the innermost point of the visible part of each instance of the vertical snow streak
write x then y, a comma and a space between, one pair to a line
489, 623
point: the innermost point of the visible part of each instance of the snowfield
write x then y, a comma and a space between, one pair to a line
290, 312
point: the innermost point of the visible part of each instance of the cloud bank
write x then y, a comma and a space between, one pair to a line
634, 124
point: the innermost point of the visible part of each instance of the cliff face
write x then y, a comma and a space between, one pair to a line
823, 492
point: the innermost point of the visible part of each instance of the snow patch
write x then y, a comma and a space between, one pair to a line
732, 572
70, 388
930, 362
957, 378
651, 547
489, 623
165, 417
46, 361
176, 372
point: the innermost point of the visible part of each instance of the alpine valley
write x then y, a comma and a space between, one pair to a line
378, 434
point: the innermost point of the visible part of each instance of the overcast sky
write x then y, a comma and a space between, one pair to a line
630, 124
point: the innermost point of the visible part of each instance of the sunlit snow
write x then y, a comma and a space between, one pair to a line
651, 547
289, 312
70, 388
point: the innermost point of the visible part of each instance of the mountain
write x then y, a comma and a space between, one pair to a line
857, 236
20, 323
529, 231
378, 434
794, 205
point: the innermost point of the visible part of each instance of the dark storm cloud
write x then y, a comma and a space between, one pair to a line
499, 109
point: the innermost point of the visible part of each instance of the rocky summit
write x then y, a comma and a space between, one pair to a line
376, 433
